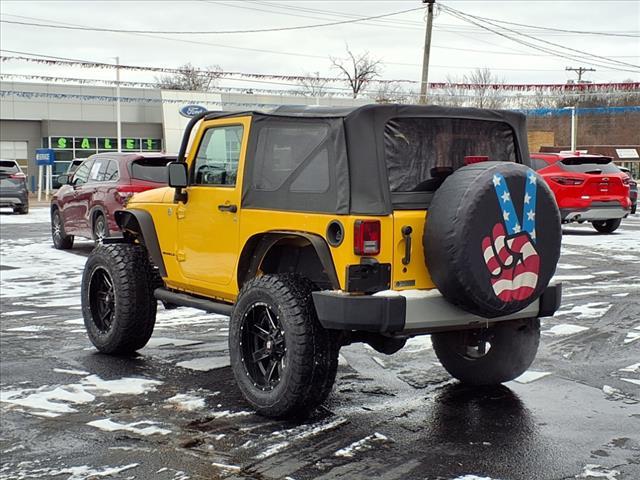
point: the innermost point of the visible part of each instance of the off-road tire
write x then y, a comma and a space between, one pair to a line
607, 226
21, 210
513, 348
311, 351
100, 228
61, 240
134, 306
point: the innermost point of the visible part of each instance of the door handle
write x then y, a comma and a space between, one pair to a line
406, 234
228, 208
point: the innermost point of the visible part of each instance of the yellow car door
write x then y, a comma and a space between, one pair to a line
208, 222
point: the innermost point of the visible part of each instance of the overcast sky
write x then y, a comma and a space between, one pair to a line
398, 41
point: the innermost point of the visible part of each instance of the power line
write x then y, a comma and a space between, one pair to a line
469, 18
466, 16
210, 32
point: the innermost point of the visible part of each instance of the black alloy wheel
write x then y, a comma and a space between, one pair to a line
102, 299
263, 346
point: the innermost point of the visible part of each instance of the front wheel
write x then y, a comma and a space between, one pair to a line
283, 360
607, 226
118, 305
489, 356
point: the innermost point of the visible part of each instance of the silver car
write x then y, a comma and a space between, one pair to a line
13, 187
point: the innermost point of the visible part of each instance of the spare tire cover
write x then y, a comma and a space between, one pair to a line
492, 238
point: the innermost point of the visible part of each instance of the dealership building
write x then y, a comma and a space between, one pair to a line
77, 121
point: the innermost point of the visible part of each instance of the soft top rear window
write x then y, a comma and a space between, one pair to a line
595, 165
420, 152
8, 167
151, 169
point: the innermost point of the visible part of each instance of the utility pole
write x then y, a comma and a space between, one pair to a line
427, 50
580, 71
118, 119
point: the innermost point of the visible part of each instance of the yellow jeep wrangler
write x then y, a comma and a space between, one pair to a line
314, 228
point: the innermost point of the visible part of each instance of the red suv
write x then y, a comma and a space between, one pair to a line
102, 184
588, 188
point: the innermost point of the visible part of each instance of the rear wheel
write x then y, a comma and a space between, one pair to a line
100, 229
21, 210
607, 226
61, 240
283, 360
489, 356
118, 305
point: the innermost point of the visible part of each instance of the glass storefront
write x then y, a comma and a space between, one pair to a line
68, 148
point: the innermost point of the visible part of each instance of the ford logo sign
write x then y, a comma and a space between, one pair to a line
190, 111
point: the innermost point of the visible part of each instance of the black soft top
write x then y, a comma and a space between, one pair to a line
356, 141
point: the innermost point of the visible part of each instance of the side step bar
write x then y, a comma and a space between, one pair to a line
185, 300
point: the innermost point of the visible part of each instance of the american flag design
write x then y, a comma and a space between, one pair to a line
509, 251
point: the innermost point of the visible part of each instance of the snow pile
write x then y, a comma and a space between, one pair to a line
35, 215
633, 335
531, 376
588, 310
565, 329
361, 445
187, 402
299, 433
206, 363
48, 401
598, 471
109, 425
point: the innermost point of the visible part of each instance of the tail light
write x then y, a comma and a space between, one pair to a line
568, 180
17, 175
366, 238
126, 191
626, 181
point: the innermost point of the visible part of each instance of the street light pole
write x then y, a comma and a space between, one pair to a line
427, 51
118, 118
573, 129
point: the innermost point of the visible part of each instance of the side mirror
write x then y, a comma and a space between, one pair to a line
177, 175
64, 179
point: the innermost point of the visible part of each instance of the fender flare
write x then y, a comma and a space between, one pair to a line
257, 247
139, 223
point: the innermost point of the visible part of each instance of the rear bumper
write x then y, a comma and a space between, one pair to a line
593, 213
13, 199
423, 313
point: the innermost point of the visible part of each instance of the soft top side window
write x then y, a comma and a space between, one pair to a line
216, 162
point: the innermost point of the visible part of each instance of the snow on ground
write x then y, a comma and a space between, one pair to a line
597, 471
109, 425
204, 364
531, 376
588, 310
184, 401
35, 215
55, 400
367, 443
633, 335
565, 329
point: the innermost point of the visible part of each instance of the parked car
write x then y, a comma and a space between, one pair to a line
633, 189
13, 187
588, 188
308, 227
85, 203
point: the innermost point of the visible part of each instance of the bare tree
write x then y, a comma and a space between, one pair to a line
357, 69
484, 94
388, 92
190, 78
313, 85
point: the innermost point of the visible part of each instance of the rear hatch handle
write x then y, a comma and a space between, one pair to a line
406, 235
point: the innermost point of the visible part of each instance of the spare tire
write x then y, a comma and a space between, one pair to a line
492, 238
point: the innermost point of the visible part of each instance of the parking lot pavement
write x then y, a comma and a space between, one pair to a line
174, 412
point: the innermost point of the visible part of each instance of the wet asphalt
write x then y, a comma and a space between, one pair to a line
576, 415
